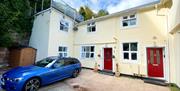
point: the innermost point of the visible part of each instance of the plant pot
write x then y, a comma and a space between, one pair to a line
117, 74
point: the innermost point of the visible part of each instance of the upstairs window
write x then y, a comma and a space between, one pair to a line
63, 51
64, 25
129, 20
91, 27
130, 51
87, 52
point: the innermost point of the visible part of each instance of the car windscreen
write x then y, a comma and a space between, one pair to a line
44, 62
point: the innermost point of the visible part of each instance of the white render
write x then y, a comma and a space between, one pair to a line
47, 36
150, 31
40, 34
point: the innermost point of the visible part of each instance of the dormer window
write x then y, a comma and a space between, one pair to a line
91, 27
129, 20
64, 25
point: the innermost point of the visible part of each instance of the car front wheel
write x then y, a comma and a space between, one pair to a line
32, 85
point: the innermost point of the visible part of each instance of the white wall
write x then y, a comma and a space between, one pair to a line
40, 35
58, 37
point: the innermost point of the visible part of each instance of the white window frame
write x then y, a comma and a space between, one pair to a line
63, 52
130, 52
85, 52
65, 25
129, 20
90, 26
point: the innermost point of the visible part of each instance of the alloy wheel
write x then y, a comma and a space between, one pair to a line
32, 85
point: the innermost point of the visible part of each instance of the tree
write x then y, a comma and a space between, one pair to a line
82, 12
86, 12
102, 12
15, 18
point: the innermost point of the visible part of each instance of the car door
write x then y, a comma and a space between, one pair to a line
69, 67
58, 69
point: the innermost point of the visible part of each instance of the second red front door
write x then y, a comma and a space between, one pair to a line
108, 58
155, 62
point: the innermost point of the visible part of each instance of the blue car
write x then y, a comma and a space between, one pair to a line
46, 71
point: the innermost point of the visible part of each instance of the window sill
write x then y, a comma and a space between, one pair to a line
129, 61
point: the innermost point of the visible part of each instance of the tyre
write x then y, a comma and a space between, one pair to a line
75, 73
32, 85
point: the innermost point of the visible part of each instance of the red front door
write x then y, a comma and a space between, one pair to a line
108, 58
155, 62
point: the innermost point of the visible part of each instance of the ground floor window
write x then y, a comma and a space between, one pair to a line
130, 51
63, 51
87, 51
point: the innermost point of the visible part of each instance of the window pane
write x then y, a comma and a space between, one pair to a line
65, 54
60, 55
93, 28
133, 46
92, 48
83, 55
88, 24
134, 56
125, 23
158, 56
87, 55
61, 26
93, 23
89, 29
152, 56
88, 49
132, 16
133, 22
83, 49
126, 55
125, 46
125, 17
92, 55
65, 49
60, 49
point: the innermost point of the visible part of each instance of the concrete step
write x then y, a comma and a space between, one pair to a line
106, 72
155, 81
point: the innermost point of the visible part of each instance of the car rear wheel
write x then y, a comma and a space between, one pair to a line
75, 73
32, 85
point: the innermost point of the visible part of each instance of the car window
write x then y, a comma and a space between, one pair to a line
44, 62
59, 63
69, 61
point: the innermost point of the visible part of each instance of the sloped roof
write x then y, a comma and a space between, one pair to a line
121, 12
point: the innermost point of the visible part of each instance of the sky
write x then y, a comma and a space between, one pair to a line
111, 6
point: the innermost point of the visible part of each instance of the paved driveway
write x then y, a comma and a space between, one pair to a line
99, 82
92, 81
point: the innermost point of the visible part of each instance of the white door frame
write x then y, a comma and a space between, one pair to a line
165, 63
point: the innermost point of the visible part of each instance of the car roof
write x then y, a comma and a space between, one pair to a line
57, 57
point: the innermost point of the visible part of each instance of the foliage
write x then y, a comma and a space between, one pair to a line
102, 12
88, 13
15, 17
174, 87
38, 3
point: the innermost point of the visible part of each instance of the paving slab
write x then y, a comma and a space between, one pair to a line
92, 81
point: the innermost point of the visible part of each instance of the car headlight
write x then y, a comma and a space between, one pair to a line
14, 79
